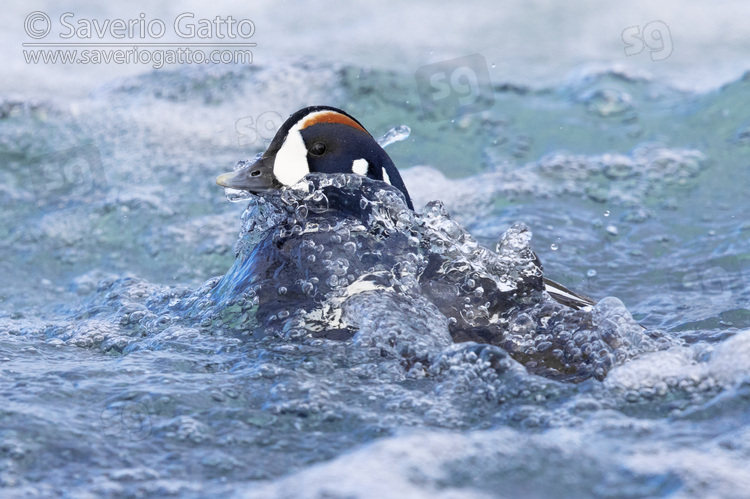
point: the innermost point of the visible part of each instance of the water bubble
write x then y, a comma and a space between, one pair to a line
612, 230
591, 272
354, 181
319, 202
553, 247
282, 290
288, 197
301, 211
606, 213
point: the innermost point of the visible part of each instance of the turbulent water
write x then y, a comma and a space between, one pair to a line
327, 341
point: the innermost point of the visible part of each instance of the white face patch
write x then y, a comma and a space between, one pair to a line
386, 178
290, 164
360, 166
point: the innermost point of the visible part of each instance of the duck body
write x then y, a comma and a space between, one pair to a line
324, 139
322, 246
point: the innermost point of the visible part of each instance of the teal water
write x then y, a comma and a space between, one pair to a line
112, 224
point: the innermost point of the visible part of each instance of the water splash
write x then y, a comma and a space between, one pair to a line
344, 245
237, 195
395, 134
131, 364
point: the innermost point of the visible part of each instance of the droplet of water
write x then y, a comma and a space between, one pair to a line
395, 134
553, 247
591, 272
612, 230
606, 213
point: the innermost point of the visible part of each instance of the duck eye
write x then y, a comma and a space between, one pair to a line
255, 173
317, 149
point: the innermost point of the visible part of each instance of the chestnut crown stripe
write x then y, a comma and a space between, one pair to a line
330, 117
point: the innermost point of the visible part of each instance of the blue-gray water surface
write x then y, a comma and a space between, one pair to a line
128, 367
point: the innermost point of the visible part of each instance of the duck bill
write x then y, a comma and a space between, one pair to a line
255, 178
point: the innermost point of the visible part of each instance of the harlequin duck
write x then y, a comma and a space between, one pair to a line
324, 139
317, 139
